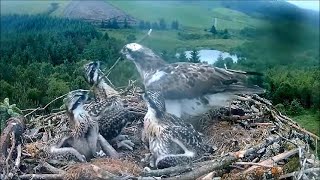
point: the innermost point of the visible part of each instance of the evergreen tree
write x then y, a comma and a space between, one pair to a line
102, 24
109, 24
106, 36
126, 24
155, 25
213, 30
162, 24
195, 57
183, 57
142, 25
175, 25
148, 25
114, 24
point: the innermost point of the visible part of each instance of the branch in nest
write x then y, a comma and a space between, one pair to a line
42, 176
307, 171
107, 148
51, 168
38, 108
168, 171
194, 174
18, 159
274, 159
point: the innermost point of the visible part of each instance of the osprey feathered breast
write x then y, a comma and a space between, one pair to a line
171, 141
189, 89
107, 108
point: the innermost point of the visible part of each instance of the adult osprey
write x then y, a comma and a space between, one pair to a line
189, 89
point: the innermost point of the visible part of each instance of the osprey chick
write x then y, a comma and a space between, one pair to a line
80, 138
107, 108
189, 89
171, 141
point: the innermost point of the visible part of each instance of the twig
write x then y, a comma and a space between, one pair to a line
251, 163
274, 159
306, 171
51, 168
42, 176
46, 105
18, 159
168, 171
13, 144
107, 148
218, 164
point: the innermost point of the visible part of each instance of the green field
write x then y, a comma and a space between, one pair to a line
31, 7
194, 15
168, 40
309, 120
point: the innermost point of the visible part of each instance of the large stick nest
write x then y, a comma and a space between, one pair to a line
253, 141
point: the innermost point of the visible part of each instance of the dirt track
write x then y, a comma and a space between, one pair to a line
94, 11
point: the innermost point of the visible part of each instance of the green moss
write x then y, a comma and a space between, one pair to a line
292, 165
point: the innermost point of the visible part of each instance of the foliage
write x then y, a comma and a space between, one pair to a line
175, 25
162, 24
195, 58
224, 61
7, 111
42, 58
213, 30
131, 38
183, 57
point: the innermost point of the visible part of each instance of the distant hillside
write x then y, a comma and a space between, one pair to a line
197, 14
95, 11
274, 10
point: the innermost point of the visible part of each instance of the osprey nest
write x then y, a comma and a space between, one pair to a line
259, 143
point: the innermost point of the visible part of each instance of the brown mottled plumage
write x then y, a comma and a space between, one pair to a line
171, 141
79, 138
107, 108
189, 89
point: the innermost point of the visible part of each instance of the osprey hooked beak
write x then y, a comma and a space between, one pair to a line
91, 72
75, 98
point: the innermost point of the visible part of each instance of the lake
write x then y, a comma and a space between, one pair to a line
212, 56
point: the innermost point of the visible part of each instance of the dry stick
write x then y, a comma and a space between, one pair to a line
18, 159
310, 170
168, 171
205, 169
51, 168
107, 148
38, 108
13, 144
42, 176
253, 164
274, 159
45, 105
288, 121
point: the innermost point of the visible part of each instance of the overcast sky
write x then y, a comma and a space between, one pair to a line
314, 5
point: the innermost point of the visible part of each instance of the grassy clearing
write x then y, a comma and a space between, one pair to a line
168, 40
31, 7
310, 120
188, 14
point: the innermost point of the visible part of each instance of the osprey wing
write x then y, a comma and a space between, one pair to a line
189, 80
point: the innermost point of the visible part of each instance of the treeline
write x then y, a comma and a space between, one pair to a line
288, 54
42, 58
160, 25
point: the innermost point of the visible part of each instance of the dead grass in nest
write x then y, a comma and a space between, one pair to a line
99, 169
229, 137
118, 166
33, 149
